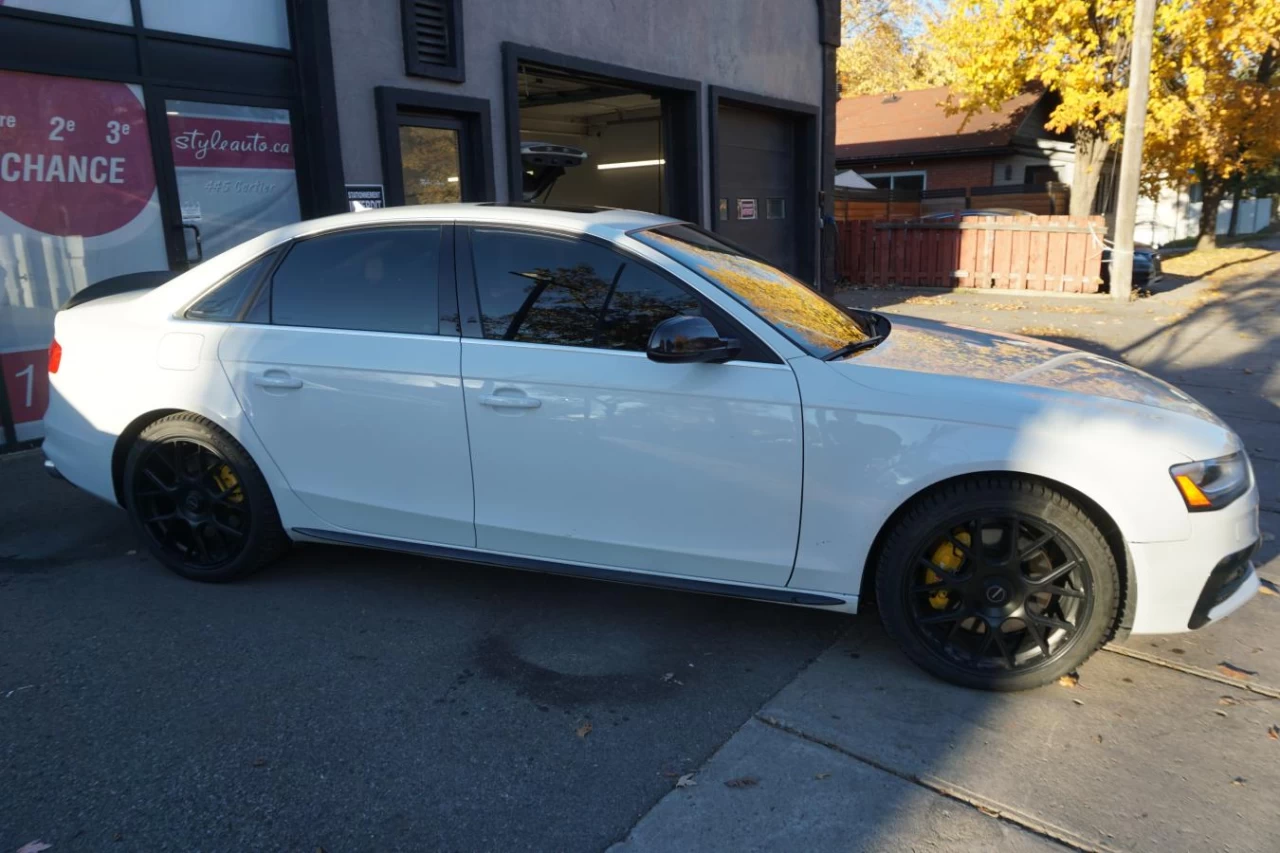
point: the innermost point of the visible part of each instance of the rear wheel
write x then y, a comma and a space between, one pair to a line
199, 501
997, 583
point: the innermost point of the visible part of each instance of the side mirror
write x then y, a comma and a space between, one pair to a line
687, 340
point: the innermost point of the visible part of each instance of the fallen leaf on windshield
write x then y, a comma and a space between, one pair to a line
584, 729
34, 847
685, 781
1234, 671
742, 782
1071, 679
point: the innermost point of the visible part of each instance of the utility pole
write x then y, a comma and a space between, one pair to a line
1135, 124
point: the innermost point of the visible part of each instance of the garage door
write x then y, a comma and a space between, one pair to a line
756, 167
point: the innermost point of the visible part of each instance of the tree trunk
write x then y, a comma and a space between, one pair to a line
1091, 156
1235, 209
1212, 191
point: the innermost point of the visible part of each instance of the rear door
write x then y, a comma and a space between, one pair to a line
352, 383
584, 450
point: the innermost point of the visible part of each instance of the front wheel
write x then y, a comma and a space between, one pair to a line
199, 502
997, 583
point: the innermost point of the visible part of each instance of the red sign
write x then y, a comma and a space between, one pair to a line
225, 143
26, 378
74, 154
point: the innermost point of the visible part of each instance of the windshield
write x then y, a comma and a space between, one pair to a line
808, 319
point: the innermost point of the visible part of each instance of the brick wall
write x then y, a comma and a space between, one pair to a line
942, 174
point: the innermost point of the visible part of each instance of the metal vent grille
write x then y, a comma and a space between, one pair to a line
430, 32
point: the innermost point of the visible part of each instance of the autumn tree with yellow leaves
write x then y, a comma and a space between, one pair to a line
883, 47
1213, 111
1076, 48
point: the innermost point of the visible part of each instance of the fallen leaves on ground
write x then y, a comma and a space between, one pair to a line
1233, 671
1005, 306
1274, 732
742, 782
1239, 780
1204, 262
34, 847
1071, 679
1076, 309
1042, 331
928, 300
1267, 587
821, 776
584, 729
1228, 700
685, 781
259, 762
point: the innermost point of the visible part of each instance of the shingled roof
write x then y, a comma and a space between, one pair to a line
878, 127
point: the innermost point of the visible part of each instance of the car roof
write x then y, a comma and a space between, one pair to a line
600, 221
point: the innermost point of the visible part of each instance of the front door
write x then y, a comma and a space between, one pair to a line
351, 387
584, 450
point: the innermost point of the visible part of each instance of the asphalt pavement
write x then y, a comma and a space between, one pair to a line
349, 700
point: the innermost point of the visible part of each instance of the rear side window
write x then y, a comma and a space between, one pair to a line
375, 280
225, 301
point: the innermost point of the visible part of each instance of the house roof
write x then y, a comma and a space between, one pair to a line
872, 127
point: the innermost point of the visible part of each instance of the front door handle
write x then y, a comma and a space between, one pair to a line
277, 381
507, 401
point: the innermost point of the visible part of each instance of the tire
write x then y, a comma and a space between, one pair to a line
1005, 615
199, 502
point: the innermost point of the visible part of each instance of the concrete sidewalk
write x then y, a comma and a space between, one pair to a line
1164, 744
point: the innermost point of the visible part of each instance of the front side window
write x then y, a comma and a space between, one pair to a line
375, 280
809, 320
553, 290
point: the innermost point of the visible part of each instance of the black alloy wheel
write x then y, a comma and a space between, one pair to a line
1012, 596
199, 502
998, 583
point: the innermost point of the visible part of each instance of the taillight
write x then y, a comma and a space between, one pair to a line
55, 356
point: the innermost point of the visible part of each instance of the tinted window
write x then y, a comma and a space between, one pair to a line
225, 300
810, 320
539, 289
641, 300
376, 280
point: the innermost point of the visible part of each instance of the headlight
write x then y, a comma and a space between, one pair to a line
1214, 483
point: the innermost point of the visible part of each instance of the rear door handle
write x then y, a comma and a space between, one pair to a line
277, 380
506, 401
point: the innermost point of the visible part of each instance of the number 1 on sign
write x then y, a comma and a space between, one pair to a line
30, 372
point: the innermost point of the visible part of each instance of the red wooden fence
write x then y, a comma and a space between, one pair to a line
1055, 253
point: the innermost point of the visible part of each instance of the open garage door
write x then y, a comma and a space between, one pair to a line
593, 134
765, 191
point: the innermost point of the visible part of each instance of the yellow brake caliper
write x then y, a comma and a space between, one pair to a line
946, 557
227, 480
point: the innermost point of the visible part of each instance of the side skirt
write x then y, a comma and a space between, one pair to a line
551, 567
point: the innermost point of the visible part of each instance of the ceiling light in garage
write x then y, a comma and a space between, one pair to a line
630, 164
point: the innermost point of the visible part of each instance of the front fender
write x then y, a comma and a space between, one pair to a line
863, 462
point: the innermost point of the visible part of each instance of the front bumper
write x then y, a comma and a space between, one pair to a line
1180, 584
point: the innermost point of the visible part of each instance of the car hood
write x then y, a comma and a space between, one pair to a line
941, 349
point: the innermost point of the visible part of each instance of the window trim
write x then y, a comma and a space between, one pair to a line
444, 272
920, 173
455, 71
475, 143
251, 294
468, 287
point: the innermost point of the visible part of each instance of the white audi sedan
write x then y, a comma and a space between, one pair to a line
622, 396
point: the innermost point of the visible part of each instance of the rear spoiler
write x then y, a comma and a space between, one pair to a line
120, 284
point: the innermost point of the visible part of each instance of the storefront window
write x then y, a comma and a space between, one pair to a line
78, 204
430, 165
252, 21
110, 11
235, 172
